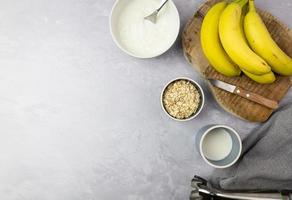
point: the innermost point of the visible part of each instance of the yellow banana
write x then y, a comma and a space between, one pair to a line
262, 43
234, 43
263, 79
211, 45
243, 13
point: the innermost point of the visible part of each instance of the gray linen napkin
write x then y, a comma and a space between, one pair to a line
266, 163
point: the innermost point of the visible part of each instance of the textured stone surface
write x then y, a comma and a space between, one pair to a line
80, 120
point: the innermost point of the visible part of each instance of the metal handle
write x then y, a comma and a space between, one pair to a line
251, 196
162, 5
201, 189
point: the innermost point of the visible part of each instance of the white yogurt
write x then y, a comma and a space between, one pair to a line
217, 144
141, 37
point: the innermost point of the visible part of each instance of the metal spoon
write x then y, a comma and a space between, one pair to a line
153, 16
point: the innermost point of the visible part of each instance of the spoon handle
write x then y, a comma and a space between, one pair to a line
162, 5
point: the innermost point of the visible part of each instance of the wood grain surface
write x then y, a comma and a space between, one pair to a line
232, 103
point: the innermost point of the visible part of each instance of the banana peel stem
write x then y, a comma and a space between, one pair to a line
241, 2
251, 6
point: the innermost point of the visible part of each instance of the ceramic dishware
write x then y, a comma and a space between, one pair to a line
213, 141
201, 103
139, 37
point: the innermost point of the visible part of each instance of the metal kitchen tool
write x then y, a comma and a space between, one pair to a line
203, 191
153, 16
245, 94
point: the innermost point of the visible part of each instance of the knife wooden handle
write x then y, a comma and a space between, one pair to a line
256, 98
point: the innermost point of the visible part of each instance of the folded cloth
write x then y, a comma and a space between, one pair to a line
266, 163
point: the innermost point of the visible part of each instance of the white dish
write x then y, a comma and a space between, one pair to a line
139, 37
229, 159
198, 87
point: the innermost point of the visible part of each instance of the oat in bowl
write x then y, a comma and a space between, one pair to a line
182, 99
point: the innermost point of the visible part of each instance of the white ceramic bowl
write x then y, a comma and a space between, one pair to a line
201, 104
115, 16
233, 156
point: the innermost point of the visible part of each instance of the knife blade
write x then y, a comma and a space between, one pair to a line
222, 85
245, 94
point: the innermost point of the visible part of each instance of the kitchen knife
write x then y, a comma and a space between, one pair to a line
245, 94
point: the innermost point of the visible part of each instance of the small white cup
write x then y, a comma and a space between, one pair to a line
198, 87
235, 150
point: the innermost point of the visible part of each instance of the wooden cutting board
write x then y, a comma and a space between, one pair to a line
232, 103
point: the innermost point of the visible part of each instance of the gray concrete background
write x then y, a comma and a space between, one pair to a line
80, 120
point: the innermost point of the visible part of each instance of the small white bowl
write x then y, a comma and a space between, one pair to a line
234, 154
198, 87
115, 16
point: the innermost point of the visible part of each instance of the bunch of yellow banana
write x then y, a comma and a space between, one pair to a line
235, 42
